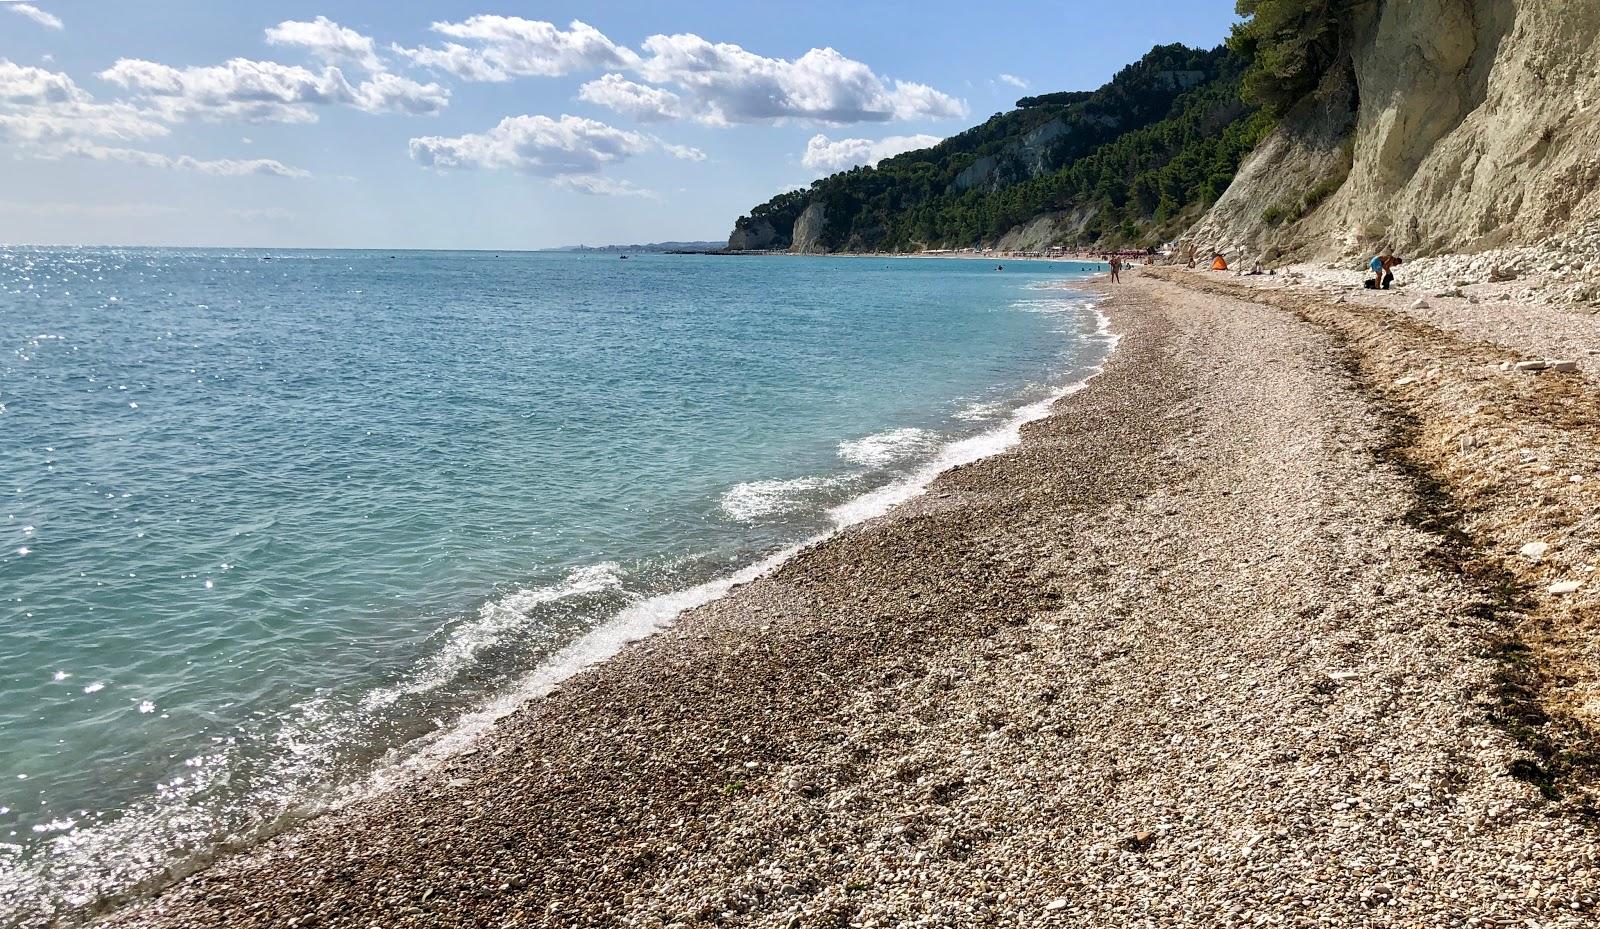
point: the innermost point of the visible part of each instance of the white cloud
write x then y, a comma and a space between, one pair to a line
225, 167
715, 83
37, 15
683, 152
728, 84
504, 47
638, 101
76, 121
389, 93
39, 106
266, 91
327, 40
597, 186
571, 151
1013, 80
465, 63
30, 85
827, 156
45, 114
535, 145
257, 91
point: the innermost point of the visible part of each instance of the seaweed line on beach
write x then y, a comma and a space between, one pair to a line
1564, 745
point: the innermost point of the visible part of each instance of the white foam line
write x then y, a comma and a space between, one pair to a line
966, 451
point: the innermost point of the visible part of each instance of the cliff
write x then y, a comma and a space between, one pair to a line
756, 236
1443, 126
808, 230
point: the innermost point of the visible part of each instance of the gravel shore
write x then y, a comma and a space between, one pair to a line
1192, 654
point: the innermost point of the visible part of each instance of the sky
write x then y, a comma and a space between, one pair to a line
511, 125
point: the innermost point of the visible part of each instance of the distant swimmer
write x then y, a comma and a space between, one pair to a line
999, 267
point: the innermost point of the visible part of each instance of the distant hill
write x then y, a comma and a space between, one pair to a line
1131, 163
651, 247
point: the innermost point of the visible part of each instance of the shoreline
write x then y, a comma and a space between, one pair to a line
994, 688
421, 758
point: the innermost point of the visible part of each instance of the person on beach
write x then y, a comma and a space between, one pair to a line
1116, 270
1383, 266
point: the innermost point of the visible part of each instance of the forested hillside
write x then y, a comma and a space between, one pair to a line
1127, 164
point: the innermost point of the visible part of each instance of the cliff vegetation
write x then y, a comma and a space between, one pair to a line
1130, 163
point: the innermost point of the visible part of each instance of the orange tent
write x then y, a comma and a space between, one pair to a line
1219, 264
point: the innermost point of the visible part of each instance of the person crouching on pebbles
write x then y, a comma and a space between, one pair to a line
1383, 266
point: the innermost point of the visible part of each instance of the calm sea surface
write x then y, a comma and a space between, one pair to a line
273, 521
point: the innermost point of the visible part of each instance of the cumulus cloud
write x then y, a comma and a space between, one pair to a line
571, 151
687, 77
827, 156
1013, 80
38, 125
47, 115
503, 47
30, 85
224, 167
39, 106
37, 15
389, 93
535, 145
638, 101
728, 84
327, 40
266, 91
256, 91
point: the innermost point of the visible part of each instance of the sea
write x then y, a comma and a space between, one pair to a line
279, 528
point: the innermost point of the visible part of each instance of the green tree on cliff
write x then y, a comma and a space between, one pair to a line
1290, 44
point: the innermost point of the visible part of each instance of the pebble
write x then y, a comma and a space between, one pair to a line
1565, 587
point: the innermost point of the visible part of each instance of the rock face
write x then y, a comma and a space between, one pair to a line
1046, 230
808, 230
1453, 125
1028, 157
754, 237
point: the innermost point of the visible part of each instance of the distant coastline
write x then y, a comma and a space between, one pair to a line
691, 246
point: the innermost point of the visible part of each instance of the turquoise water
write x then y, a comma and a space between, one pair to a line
274, 519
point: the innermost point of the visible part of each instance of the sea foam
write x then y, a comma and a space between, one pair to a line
886, 448
757, 500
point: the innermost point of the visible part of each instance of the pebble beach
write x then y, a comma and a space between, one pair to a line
1209, 647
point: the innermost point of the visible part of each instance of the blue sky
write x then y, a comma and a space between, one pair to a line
502, 125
